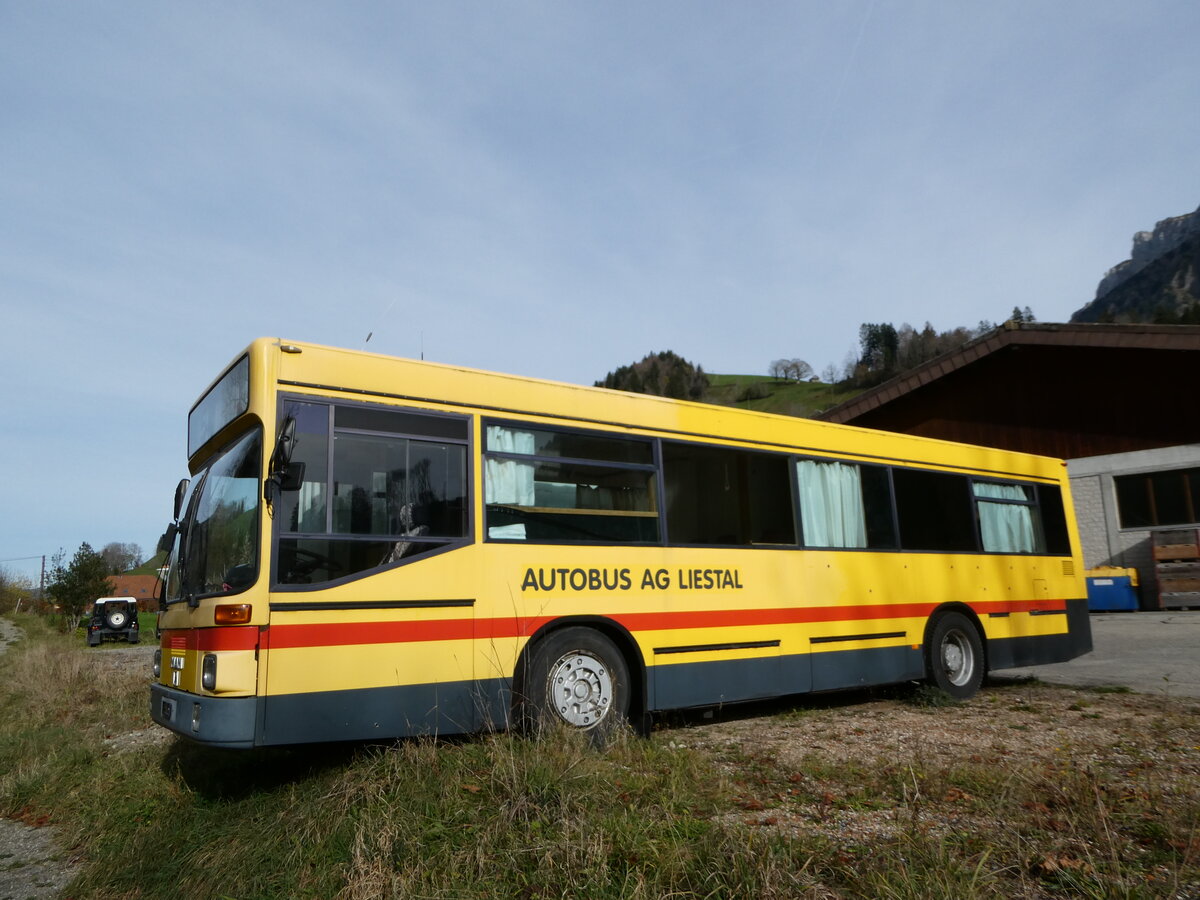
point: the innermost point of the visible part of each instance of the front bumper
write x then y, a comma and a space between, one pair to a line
216, 721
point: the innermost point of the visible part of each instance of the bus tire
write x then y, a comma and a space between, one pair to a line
576, 678
955, 662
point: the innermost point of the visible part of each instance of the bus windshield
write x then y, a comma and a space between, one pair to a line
218, 548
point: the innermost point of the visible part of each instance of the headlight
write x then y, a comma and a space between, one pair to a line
208, 672
158, 663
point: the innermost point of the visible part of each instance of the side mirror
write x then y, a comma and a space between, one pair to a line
282, 473
285, 444
180, 493
292, 477
168, 538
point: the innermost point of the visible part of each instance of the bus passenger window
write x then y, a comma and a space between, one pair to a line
561, 486
508, 481
1007, 522
845, 505
370, 498
1054, 520
305, 510
831, 504
389, 485
723, 496
934, 510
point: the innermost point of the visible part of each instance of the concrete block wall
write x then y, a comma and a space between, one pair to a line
1088, 495
1104, 542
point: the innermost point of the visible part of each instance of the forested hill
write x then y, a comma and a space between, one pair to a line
1158, 283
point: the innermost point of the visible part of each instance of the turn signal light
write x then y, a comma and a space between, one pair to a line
233, 613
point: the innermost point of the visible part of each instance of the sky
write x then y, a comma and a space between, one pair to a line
544, 188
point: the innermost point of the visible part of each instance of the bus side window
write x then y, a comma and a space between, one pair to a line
550, 485
1054, 520
1008, 518
845, 505
374, 495
934, 510
722, 496
305, 510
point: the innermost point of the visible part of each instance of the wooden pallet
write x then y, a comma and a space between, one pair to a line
1177, 568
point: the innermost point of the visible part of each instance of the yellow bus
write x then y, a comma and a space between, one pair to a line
374, 547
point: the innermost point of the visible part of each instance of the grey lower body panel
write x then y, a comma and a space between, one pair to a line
371, 713
732, 681
374, 713
848, 669
1038, 650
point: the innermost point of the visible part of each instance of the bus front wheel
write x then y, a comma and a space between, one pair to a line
577, 677
955, 663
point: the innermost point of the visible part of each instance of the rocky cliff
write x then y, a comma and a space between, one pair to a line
1159, 278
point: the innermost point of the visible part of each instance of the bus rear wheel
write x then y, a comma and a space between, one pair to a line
955, 657
578, 678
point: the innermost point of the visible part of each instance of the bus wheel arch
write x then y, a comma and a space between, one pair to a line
955, 651
594, 664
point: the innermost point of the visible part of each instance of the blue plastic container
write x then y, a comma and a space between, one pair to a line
1112, 591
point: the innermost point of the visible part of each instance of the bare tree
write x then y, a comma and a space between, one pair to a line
800, 370
790, 369
121, 557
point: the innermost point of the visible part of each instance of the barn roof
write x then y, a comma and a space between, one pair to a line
1061, 390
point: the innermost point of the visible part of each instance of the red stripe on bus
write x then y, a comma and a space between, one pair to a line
335, 634
243, 637
802, 615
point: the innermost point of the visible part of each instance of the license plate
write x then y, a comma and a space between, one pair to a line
168, 710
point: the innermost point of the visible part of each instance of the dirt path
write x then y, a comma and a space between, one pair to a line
9, 634
31, 866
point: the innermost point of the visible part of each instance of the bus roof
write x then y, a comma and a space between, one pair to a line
304, 365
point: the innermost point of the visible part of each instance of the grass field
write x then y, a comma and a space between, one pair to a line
807, 800
771, 395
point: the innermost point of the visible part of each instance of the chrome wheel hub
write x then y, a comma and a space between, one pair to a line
581, 689
957, 659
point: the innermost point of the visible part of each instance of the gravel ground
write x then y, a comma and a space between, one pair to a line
31, 867
1011, 723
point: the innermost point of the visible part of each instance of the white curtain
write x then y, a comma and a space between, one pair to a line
831, 506
1005, 527
508, 481
311, 507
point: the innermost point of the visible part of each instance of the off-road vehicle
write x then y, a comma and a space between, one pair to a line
113, 619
